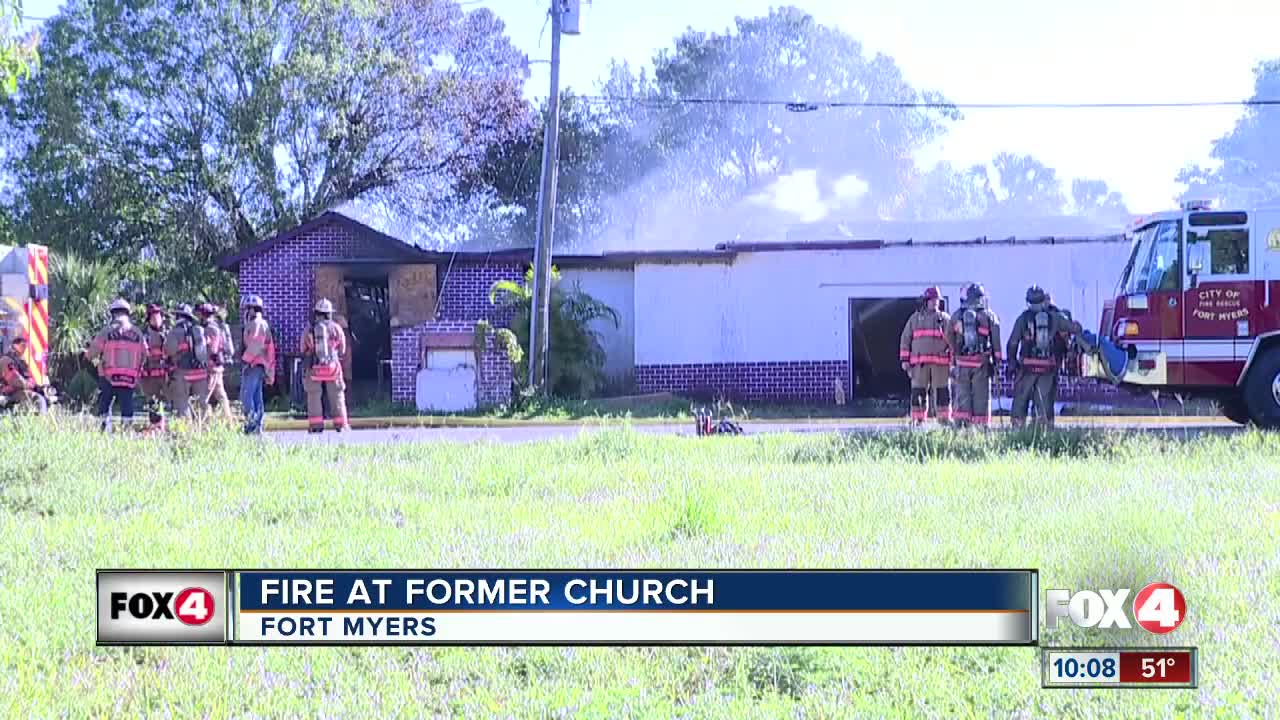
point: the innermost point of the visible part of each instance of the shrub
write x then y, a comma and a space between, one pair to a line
576, 363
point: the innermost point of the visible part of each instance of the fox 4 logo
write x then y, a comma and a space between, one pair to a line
191, 606
1158, 608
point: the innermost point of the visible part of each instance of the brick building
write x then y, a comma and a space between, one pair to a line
398, 302
758, 321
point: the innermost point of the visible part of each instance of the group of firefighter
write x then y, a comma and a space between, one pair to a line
177, 362
939, 351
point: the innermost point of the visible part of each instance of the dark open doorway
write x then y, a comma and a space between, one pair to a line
875, 326
369, 328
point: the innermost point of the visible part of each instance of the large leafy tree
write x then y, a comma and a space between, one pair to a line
1094, 199
17, 54
1031, 188
1022, 187
950, 193
599, 158
715, 153
182, 131
1247, 173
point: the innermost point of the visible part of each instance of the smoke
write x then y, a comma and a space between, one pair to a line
670, 209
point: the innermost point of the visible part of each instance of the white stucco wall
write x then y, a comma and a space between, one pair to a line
789, 306
615, 288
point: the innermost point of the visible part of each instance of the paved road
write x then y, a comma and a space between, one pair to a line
535, 433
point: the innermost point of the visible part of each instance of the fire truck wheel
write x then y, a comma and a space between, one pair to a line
1262, 390
1234, 409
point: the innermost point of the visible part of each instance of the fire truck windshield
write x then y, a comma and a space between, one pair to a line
1156, 260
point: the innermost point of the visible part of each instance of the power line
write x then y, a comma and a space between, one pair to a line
808, 106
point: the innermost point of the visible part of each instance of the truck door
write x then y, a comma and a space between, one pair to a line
1153, 296
1218, 298
1265, 310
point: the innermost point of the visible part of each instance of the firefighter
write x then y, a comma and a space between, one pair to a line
1033, 358
259, 363
926, 357
975, 336
17, 387
324, 346
155, 369
119, 351
187, 352
220, 349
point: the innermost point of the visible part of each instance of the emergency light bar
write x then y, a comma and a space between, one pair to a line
1194, 205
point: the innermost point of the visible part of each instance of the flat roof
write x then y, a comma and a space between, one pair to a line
392, 250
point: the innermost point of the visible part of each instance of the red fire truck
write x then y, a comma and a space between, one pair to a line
1197, 311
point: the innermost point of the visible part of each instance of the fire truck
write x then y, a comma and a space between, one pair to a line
1196, 312
24, 304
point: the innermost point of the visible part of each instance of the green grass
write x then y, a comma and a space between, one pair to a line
1089, 509
677, 409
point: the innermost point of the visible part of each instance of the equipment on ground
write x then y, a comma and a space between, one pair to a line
704, 424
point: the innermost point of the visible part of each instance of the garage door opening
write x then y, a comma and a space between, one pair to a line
875, 326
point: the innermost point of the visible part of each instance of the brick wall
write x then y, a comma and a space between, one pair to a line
493, 383
464, 299
283, 276
807, 381
465, 288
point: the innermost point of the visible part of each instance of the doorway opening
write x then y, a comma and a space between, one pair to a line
369, 333
875, 327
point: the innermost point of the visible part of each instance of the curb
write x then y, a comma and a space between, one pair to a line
443, 422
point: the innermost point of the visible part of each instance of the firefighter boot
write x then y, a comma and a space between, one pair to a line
942, 401
919, 406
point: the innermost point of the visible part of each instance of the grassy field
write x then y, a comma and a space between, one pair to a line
666, 407
1087, 509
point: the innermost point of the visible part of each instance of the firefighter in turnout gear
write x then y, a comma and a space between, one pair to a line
17, 387
323, 347
155, 369
221, 350
975, 336
119, 351
259, 364
1033, 358
187, 352
926, 357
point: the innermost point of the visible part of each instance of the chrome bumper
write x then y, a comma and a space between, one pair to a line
1150, 367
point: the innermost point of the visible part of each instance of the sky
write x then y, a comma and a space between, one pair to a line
985, 51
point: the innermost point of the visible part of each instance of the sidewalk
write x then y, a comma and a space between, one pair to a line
443, 421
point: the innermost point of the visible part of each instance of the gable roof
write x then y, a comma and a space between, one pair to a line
395, 247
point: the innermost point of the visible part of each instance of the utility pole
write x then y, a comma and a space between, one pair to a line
540, 315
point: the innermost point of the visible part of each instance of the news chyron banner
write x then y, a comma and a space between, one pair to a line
565, 607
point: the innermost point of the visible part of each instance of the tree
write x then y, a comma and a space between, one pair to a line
597, 161
187, 131
1092, 198
945, 193
716, 153
576, 366
1248, 157
1030, 188
17, 55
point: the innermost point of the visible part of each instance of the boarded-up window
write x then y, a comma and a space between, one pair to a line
413, 295
330, 282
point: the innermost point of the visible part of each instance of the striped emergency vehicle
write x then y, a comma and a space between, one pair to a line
24, 303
